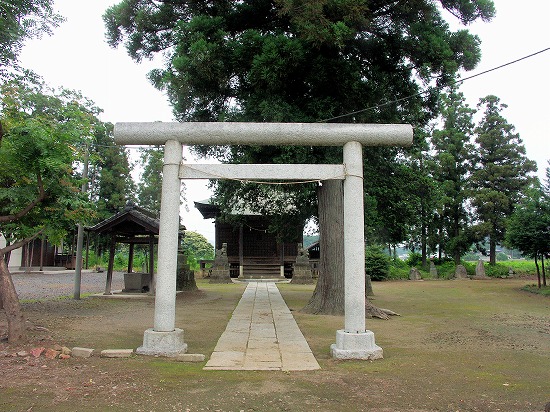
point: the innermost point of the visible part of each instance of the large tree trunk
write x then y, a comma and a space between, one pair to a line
492, 252
12, 307
328, 296
543, 270
538, 270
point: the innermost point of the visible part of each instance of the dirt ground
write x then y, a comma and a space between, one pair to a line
458, 346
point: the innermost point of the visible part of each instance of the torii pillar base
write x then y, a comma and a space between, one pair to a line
168, 344
355, 346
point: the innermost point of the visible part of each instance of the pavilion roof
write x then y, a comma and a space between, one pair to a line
131, 221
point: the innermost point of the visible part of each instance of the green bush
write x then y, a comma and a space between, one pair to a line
544, 290
501, 256
398, 270
471, 257
377, 263
414, 259
497, 270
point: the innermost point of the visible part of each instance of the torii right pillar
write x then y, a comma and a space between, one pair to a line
354, 341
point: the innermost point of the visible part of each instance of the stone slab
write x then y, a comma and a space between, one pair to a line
82, 352
266, 339
190, 357
116, 353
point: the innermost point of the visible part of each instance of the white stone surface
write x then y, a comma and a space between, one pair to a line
169, 344
116, 353
165, 292
262, 335
268, 134
82, 352
356, 346
354, 239
262, 171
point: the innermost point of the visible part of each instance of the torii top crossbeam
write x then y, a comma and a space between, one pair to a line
271, 134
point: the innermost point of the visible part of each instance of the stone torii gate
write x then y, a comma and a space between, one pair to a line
352, 342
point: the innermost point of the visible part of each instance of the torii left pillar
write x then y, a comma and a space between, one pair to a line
164, 338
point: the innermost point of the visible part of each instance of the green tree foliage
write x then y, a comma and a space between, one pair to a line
528, 228
290, 61
111, 182
40, 132
197, 246
42, 138
377, 263
149, 187
21, 20
451, 169
284, 60
501, 171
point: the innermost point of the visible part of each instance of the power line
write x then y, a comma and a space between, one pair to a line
427, 91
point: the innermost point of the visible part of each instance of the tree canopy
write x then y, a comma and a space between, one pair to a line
500, 172
285, 60
290, 61
42, 136
21, 20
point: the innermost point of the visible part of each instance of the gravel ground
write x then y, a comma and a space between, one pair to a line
43, 285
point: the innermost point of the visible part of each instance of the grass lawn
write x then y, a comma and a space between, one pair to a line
458, 346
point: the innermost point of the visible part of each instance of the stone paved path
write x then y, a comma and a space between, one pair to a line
262, 335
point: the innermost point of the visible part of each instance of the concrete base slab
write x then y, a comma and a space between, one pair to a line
169, 344
355, 346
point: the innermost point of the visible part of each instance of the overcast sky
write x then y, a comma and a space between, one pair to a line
77, 57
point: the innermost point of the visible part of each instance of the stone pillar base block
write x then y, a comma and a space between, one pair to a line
162, 343
355, 346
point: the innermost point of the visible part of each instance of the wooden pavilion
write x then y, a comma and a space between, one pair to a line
133, 225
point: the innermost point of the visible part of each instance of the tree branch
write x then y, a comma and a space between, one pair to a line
28, 208
19, 244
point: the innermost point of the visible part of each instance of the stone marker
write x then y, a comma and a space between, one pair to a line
302, 269
220, 268
460, 272
414, 274
116, 353
480, 270
82, 352
185, 277
433, 270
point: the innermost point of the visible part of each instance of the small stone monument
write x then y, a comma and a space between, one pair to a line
302, 269
220, 267
480, 271
433, 270
185, 277
414, 274
460, 272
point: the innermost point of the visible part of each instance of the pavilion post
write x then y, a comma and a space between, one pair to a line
164, 338
109, 281
131, 258
151, 264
